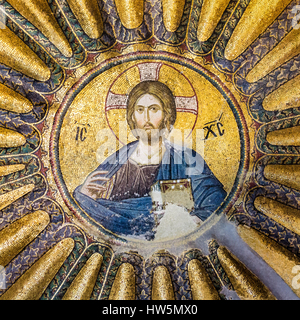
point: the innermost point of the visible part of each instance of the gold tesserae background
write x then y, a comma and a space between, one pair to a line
79, 158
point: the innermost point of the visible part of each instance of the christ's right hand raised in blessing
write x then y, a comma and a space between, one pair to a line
93, 185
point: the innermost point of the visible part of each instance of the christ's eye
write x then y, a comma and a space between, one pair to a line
140, 109
154, 108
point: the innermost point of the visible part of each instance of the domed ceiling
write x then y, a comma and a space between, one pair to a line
229, 227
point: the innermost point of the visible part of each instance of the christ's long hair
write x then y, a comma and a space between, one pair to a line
160, 91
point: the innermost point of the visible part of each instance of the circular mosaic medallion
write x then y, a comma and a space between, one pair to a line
92, 129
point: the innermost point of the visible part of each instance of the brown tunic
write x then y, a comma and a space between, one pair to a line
133, 181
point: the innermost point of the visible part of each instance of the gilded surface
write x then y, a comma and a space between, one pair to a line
288, 175
13, 101
247, 285
202, 287
83, 285
284, 137
89, 16
130, 12
124, 284
13, 53
6, 170
89, 109
18, 235
67, 69
211, 14
34, 282
259, 13
281, 260
162, 288
39, 14
284, 97
9, 197
11, 139
173, 11
283, 214
283, 52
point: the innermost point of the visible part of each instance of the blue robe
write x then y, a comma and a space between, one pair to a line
132, 217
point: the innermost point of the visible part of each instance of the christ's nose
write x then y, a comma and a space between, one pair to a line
147, 115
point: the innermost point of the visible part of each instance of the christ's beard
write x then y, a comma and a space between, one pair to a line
149, 135
152, 136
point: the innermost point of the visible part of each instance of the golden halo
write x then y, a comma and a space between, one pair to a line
184, 93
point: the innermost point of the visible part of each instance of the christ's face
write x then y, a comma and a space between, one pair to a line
148, 113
